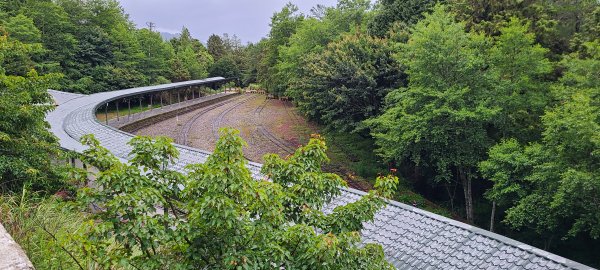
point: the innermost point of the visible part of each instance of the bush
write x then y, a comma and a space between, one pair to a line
219, 217
416, 200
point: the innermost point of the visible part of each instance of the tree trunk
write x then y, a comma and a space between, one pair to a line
451, 196
493, 216
466, 183
548, 242
417, 174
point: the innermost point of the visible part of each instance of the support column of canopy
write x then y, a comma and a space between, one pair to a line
106, 113
141, 108
128, 109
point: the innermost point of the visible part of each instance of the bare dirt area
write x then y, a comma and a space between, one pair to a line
267, 125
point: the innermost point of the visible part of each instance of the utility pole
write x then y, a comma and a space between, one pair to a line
151, 25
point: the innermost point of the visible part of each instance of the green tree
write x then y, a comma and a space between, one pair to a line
236, 51
191, 58
127, 49
253, 55
26, 145
185, 40
155, 64
583, 68
11, 7
95, 48
90, 41
178, 71
126, 69
216, 47
590, 30
553, 23
312, 36
113, 78
23, 29
17, 57
346, 83
390, 12
57, 36
191, 61
105, 14
225, 67
552, 186
219, 217
440, 120
519, 67
283, 26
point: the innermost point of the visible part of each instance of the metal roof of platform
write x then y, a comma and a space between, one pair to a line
411, 238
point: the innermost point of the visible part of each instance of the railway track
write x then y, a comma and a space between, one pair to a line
217, 122
363, 186
288, 105
182, 137
267, 134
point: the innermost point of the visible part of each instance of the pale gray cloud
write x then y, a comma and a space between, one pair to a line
248, 19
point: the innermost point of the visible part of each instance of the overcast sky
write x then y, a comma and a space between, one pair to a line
248, 19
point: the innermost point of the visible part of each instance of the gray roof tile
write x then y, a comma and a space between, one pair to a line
62, 97
412, 238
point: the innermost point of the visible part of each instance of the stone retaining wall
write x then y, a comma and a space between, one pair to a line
12, 257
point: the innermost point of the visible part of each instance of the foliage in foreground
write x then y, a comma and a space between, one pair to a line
218, 216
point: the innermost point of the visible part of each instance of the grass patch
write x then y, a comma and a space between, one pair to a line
43, 228
352, 156
355, 153
407, 196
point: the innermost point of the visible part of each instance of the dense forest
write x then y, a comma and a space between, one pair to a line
94, 47
490, 109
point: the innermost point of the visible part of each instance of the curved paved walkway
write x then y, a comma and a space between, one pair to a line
411, 238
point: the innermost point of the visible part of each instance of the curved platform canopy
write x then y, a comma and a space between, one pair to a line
412, 238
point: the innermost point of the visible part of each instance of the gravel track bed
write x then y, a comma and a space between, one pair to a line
267, 126
246, 119
173, 127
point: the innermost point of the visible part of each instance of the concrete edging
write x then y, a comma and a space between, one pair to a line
12, 255
147, 121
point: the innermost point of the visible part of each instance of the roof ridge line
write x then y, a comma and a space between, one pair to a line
474, 229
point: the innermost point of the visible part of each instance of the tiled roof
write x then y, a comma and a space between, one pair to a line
62, 97
412, 238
